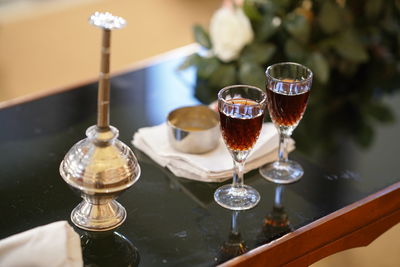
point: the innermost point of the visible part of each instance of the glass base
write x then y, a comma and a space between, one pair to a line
235, 198
282, 172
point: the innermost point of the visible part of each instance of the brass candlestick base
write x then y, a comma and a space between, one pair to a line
102, 217
100, 167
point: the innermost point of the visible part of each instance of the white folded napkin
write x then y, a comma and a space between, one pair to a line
54, 244
214, 166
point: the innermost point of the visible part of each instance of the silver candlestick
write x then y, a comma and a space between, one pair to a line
100, 167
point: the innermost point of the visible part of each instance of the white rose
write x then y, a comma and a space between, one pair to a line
230, 31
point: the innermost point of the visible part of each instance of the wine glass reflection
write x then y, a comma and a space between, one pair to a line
276, 222
235, 245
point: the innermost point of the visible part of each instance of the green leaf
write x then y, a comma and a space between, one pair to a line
258, 52
319, 66
207, 66
331, 17
204, 92
347, 68
250, 8
373, 8
281, 3
297, 25
364, 134
189, 61
381, 112
224, 75
327, 43
251, 74
201, 36
267, 27
294, 51
349, 47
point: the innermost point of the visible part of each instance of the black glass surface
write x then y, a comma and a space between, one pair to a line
171, 221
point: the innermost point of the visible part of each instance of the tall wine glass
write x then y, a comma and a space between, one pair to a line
288, 89
241, 109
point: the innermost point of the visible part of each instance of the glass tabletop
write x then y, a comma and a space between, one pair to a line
171, 221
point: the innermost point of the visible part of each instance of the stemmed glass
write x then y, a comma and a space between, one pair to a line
288, 89
241, 109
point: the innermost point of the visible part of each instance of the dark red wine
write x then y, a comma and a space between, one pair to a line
241, 122
286, 109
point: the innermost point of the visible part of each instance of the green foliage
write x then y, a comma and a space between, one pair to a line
380, 112
252, 10
201, 36
317, 62
352, 47
298, 27
349, 47
295, 51
207, 67
224, 75
192, 60
258, 53
251, 73
373, 8
266, 28
330, 18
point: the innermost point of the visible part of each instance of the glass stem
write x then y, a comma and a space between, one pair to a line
238, 174
282, 155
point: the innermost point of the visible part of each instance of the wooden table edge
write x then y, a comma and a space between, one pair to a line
353, 226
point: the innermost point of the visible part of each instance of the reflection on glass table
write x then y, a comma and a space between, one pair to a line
235, 245
107, 249
276, 222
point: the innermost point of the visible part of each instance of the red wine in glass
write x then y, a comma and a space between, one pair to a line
286, 109
241, 122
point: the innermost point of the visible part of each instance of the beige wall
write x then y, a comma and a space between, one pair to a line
50, 46
383, 252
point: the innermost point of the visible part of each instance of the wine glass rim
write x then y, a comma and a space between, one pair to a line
307, 79
264, 98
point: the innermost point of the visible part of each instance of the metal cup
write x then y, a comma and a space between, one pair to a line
193, 129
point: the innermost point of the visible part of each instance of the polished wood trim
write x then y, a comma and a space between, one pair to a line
355, 225
359, 238
179, 52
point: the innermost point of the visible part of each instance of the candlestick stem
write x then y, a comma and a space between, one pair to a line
103, 103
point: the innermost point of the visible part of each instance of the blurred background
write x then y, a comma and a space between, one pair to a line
47, 45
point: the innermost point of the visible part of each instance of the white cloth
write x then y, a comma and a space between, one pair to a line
54, 244
214, 166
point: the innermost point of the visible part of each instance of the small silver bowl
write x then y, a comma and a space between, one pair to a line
193, 129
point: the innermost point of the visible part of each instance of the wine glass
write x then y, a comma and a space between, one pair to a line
288, 89
241, 109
